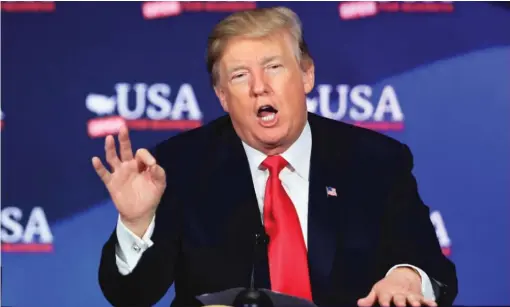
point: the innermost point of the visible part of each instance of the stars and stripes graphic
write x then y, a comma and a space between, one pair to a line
330, 191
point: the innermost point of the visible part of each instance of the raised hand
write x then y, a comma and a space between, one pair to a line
135, 183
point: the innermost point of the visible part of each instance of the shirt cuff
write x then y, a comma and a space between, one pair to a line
130, 247
426, 284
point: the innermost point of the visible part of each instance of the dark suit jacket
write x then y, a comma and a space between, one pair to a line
208, 217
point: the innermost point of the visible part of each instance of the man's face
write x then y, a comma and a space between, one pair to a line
263, 88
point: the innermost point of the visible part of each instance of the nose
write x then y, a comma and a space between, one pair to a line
259, 85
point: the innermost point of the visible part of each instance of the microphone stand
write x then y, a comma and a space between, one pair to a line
252, 297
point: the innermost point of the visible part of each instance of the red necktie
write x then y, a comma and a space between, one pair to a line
288, 262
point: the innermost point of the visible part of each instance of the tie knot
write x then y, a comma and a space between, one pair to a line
275, 164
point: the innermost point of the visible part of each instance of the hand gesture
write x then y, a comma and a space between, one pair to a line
136, 184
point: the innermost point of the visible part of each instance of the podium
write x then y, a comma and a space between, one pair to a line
230, 297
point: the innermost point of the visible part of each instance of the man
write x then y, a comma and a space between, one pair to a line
338, 203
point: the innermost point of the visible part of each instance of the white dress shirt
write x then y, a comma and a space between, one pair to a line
294, 179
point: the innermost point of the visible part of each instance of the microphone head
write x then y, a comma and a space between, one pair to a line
252, 298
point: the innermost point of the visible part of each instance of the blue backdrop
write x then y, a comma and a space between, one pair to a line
436, 76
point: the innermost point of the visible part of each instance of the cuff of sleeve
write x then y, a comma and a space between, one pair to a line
131, 247
426, 284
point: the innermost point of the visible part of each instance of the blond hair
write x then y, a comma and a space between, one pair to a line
255, 23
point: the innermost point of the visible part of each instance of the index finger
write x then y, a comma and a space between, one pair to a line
126, 153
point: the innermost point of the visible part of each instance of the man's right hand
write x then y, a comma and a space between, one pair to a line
135, 183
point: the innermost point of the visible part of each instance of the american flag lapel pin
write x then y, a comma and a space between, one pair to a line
330, 191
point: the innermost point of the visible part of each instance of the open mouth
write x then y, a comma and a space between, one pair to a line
268, 116
267, 113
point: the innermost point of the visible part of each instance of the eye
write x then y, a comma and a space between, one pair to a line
274, 66
238, 76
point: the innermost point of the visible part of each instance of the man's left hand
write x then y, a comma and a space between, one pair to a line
401, 287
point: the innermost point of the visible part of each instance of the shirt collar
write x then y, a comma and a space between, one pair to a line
298, 154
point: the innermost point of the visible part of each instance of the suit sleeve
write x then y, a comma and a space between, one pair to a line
409, 235
154, 272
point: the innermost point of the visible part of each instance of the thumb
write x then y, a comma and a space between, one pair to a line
368, 300
157, 173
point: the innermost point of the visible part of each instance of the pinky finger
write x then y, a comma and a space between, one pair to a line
430, 303
101, 171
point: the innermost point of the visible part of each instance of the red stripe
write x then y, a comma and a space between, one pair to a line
446, 251
394, 126
147, 124
27, 248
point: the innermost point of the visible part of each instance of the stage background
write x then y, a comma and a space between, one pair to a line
435, 76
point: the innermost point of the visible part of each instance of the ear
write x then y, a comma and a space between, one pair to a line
220, 93
308, 74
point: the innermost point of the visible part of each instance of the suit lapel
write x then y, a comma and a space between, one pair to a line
325, 212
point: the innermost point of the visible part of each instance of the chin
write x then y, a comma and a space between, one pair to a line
272, 138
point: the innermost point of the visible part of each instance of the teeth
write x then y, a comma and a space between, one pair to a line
269, 117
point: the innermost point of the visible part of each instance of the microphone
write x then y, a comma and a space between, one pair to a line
252, 297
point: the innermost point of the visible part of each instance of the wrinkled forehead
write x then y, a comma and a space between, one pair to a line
250, 51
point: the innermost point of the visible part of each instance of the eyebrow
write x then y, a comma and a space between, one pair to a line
264, 61
270, 59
